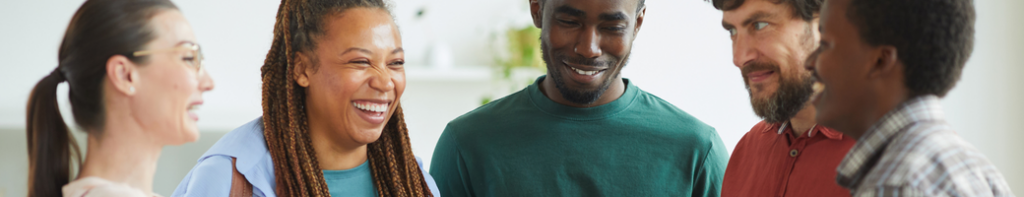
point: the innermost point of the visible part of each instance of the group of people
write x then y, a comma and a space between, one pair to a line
848, 91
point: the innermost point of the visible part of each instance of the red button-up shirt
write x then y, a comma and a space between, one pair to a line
771, 161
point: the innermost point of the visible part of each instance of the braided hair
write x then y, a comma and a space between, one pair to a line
296, 168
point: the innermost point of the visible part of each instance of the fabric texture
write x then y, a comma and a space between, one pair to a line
98, 187
355, 182
912, 151
212, 174
527, 145
771, 161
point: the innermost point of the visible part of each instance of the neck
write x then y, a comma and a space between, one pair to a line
804, 120
333, 154
122, 153
615, 90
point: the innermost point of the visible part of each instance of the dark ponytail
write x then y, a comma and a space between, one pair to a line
100, 29
49, 137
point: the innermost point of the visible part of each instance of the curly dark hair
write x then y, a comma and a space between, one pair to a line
805, 9
934, 38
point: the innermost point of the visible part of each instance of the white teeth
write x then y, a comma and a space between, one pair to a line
583, 72
193, 108
371, 107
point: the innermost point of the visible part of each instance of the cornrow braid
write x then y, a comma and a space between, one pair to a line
286, 131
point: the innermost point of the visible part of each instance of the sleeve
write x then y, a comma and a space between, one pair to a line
210, 177
448, 168
708, 179
426, 177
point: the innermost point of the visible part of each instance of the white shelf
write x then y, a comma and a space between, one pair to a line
457, 73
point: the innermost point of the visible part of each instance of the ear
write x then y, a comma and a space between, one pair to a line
886, 62
639, 21
123, 74
535, 12
300, 71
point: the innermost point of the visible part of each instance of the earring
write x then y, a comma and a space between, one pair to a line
131, 89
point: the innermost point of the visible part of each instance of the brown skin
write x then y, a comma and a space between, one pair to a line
139, 123
763, 31
862, 82
360, 59
587, 36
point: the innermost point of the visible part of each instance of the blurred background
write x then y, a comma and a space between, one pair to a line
461, 53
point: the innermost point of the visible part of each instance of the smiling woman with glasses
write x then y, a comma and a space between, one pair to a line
130, 104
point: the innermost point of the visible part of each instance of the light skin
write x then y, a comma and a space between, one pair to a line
598, 30
859, 78
763, 31
147, 106
360, 64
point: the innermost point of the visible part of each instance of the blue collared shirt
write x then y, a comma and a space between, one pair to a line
212, 174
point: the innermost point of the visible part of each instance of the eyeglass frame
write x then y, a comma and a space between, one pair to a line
197, 61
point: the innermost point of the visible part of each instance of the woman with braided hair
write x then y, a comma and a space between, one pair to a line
134, 77
332, 124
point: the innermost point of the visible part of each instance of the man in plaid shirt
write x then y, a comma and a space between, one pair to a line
883, 65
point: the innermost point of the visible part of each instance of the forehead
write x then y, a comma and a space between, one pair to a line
833, 13
592, 8
750, 8
170, 28
357, 25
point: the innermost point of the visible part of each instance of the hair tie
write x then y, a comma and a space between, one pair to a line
58, 74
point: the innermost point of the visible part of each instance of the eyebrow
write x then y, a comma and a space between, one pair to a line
398, 50
565, 9
759, 15
617, 16
356, 49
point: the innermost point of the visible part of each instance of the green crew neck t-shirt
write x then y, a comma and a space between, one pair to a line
525, 144
356, 182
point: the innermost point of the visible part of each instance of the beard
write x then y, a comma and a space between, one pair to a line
574, 94
788, 99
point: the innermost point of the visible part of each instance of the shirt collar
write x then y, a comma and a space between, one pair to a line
852, 169
814, 131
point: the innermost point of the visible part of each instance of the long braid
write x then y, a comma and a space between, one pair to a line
394, 168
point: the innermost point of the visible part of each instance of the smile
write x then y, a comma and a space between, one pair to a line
371, 106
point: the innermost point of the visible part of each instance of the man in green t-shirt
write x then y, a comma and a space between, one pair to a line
581, 130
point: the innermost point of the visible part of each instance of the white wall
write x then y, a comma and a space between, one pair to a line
682, 55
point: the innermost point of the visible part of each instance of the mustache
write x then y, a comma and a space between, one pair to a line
594, 62
758, 66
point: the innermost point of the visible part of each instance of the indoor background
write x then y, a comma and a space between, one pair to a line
455, 50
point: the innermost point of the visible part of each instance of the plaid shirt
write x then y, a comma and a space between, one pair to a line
912, 151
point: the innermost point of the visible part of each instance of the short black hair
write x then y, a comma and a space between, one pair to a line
933, 38
639, 5
805, 9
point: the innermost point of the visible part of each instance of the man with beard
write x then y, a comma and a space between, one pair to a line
884, 65
581, 130
786, 154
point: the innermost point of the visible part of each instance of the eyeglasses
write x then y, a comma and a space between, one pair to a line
193, 56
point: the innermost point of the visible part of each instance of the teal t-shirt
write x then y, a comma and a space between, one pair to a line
357, 181
525, 144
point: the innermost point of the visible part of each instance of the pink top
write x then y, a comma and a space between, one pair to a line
98, 187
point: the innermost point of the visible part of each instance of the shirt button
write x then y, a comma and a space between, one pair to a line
793, 153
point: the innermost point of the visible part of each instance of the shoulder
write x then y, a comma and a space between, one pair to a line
496, 107
662, 109
213, 172
94, 186
933, 159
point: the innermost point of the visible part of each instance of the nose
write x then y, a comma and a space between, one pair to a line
588, 44
205, 81
381, 79
743, 50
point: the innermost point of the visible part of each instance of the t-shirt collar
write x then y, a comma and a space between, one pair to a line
546, 105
